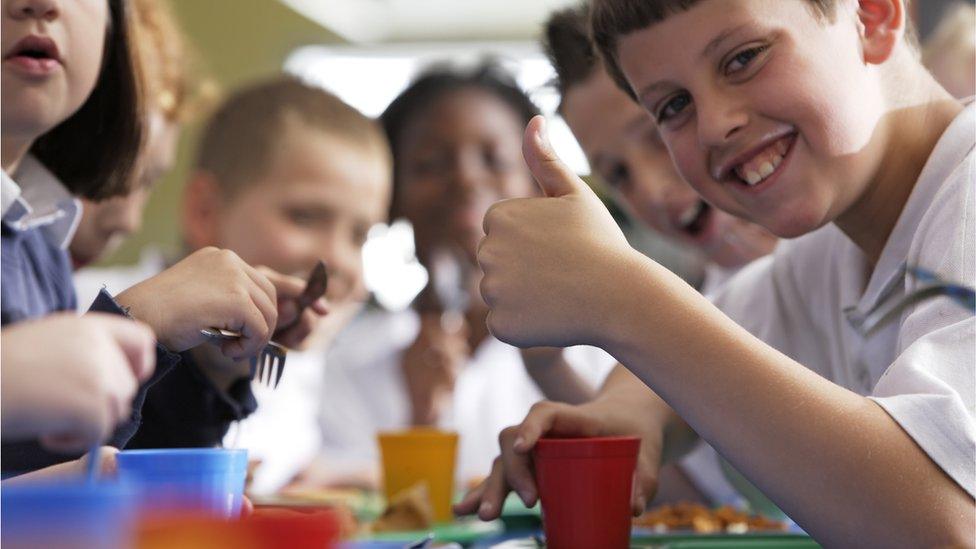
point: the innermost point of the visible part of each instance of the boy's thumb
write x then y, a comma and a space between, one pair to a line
554, 177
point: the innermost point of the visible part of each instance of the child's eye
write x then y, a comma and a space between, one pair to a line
618, 176
673, 107
742, 59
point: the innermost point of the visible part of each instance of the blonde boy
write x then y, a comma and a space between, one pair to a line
815, 119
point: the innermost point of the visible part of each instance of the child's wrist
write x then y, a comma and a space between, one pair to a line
619, 306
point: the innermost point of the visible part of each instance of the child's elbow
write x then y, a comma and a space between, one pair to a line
964, 531
959, 530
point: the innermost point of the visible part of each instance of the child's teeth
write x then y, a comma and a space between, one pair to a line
764, 164
688, 215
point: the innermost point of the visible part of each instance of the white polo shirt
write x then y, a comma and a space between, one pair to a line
365, 392
921, 367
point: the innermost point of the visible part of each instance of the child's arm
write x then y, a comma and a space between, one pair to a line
212, 390
833, 460
548, 368
430, 367
624, 406
210, 288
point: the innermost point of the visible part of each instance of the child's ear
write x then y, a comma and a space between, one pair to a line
882, 26
201, 211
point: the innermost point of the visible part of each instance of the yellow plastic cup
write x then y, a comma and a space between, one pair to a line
421, 455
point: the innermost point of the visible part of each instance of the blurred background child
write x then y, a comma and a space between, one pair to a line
286, 174
950, 51
173, 94
456, 138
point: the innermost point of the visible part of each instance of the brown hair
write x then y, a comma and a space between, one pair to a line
611, 19
94, 151
568, 47
241, 137
173, 87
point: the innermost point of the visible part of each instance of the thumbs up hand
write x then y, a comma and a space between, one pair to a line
549, 263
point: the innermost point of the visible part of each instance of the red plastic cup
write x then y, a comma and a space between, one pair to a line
585, 486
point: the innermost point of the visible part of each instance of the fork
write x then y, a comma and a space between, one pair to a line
868, 322
269, 363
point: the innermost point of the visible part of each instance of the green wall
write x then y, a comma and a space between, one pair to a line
236, 41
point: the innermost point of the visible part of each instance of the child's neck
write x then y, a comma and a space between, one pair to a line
13, 150
913, 126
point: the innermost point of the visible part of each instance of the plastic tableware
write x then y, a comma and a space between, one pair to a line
184, 480
585, 486
67, 514
421, 455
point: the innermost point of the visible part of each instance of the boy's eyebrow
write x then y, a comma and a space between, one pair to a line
717, 41
706, 52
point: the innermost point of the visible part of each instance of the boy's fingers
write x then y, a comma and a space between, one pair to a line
471, 501
515, 463
536, 424
295, 335
255, 332
554, 178
264, 295
495, 490
639, 502
287, 311
286, 286
320, 306
645, 485
137, 343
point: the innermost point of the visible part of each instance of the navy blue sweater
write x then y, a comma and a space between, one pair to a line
185, 409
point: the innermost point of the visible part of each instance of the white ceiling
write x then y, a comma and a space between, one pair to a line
378, 21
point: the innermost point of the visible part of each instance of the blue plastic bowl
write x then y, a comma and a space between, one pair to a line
205, 480
67, 513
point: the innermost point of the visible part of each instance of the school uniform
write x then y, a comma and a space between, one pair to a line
182, 409
250, 415
39, 217
921, 367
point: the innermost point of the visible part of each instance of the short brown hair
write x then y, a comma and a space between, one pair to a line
94, 151
568, 47
611, 19
241, 137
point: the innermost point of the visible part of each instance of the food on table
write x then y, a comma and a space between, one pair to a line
409, 509
700, 519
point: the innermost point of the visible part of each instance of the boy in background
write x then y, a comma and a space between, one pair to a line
285, 175
626, 153
173, 95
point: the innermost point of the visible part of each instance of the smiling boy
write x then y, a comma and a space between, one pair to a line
814, 119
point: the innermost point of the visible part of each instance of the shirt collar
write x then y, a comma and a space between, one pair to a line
10, 197
43, 203
956, 142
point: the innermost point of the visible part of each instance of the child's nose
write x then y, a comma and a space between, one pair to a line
719, 118
34, 9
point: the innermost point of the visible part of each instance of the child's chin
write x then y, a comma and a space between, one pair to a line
792, 225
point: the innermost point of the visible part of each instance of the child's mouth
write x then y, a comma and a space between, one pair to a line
694, 219
761, 166
34, 55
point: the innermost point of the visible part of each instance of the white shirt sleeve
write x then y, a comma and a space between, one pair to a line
929, 392
930, 388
